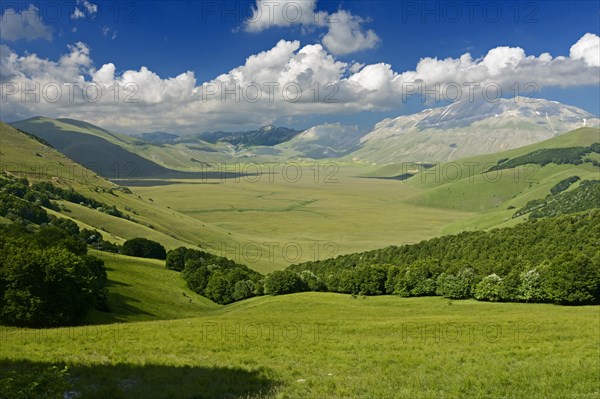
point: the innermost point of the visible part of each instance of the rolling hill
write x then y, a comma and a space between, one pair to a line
22, 155
116, 156
466, 184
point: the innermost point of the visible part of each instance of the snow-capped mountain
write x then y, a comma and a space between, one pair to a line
469, 128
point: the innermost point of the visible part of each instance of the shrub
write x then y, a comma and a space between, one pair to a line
488, 289
176, 259
282, 282
370, 280
312, 281
458, 286
243, 289
46, 287
49, 383
218, 289
573, 279
531, 288
144, 248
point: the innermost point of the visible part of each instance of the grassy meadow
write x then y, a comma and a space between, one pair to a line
311, 345
162, 340
280, 220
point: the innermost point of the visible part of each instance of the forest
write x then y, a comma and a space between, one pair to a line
551, 260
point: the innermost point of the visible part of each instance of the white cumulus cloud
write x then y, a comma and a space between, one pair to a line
286, 81
27, 25
588, 49
345, 33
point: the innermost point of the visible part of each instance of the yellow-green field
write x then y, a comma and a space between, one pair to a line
293, 221
300, 211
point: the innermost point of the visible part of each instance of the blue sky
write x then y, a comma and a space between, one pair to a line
210, 38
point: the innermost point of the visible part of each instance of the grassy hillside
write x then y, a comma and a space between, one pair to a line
24, 156
95, 148
329, 346
461, 185
85, 143
143, 289
579, 137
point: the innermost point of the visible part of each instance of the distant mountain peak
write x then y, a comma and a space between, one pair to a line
267, 128
472, 127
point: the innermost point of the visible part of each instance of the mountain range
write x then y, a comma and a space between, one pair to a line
440, 134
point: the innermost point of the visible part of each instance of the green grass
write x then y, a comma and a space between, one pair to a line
277, 222
28, 158
143, 289
317, 345
161, 340
273, 222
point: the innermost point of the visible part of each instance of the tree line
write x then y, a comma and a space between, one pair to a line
551, 260
542, 157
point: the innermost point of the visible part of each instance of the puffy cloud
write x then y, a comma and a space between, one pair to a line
27, 25
345, 33
105, 75
588, 49
503, 57
286, 81
268, 13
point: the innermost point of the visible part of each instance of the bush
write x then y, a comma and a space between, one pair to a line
370, 280
415, 280
47, 287
563, 185
196, 276
458, 286
49, 383
282, 282
531, 288
144, 248
573, 279
215, 277
176, 259
243, 289
218, 289
312, 281
488, 289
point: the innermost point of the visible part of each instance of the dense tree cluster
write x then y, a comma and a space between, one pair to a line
41, 194
585, 196
564, 184
217, 278
46, 277
559, 156
22, 205
143, 248
20, 210
548, 260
